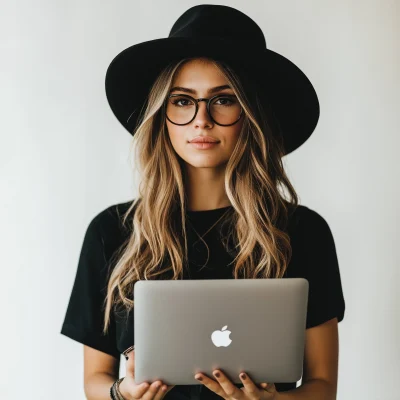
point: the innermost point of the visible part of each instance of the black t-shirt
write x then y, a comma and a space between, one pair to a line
313, 257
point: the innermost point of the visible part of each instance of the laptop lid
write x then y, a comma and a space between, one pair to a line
182, 327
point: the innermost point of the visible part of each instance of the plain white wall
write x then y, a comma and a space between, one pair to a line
64, 157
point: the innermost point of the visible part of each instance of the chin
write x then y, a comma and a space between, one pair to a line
205, 163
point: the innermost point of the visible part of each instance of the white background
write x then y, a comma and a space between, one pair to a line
64, 157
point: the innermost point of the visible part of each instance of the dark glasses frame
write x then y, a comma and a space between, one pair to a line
196, 102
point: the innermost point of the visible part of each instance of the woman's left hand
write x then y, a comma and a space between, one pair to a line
250, 391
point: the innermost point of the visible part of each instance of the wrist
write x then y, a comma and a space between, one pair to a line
121, 390
115, 393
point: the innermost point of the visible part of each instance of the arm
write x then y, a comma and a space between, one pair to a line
101, 370
320, 364
314, 389
98, 386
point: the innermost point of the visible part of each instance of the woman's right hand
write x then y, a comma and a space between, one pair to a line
132, 391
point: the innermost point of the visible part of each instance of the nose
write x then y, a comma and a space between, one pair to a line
202, 114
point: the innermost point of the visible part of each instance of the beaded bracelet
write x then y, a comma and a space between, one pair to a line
117, 388
115, 394
112, 395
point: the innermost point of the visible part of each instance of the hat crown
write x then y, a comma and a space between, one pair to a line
220, 22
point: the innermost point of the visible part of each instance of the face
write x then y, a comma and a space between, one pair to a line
201, 77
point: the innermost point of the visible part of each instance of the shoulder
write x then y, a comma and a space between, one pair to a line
307, 221
109, 220
112, 213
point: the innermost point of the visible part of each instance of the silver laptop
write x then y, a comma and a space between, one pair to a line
182, 327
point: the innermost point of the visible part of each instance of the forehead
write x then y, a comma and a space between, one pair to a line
200, 76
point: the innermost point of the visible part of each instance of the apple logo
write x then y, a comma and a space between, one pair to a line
221, 338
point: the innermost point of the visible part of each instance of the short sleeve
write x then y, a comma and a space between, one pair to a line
325, 298
83, 320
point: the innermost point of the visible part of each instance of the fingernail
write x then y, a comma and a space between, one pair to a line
199, 378
243, 376
217, 374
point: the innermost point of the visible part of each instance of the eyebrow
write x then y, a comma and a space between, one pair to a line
192, 91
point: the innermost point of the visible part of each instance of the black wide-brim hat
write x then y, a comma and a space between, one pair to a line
228, 35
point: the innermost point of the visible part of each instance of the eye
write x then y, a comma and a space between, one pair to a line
225, 101
177, 101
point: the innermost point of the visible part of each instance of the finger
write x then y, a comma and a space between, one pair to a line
250, 387
168, 388
229, 388
154, 389
141, 389
134, 389
129, 388
130, 364
210, 383
129, 349
164, 389
269, 387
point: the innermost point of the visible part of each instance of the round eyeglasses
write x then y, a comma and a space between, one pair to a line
223, 109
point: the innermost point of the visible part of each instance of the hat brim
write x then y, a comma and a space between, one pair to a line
293, 98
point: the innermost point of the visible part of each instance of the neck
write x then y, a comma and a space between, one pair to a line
205, 188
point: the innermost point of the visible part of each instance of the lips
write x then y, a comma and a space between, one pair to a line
204, 139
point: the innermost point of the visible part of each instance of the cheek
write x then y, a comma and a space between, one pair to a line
232, 137
176, 135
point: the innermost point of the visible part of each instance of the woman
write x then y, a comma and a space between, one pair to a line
205, 205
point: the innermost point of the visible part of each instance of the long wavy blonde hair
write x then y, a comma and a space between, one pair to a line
157, 244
